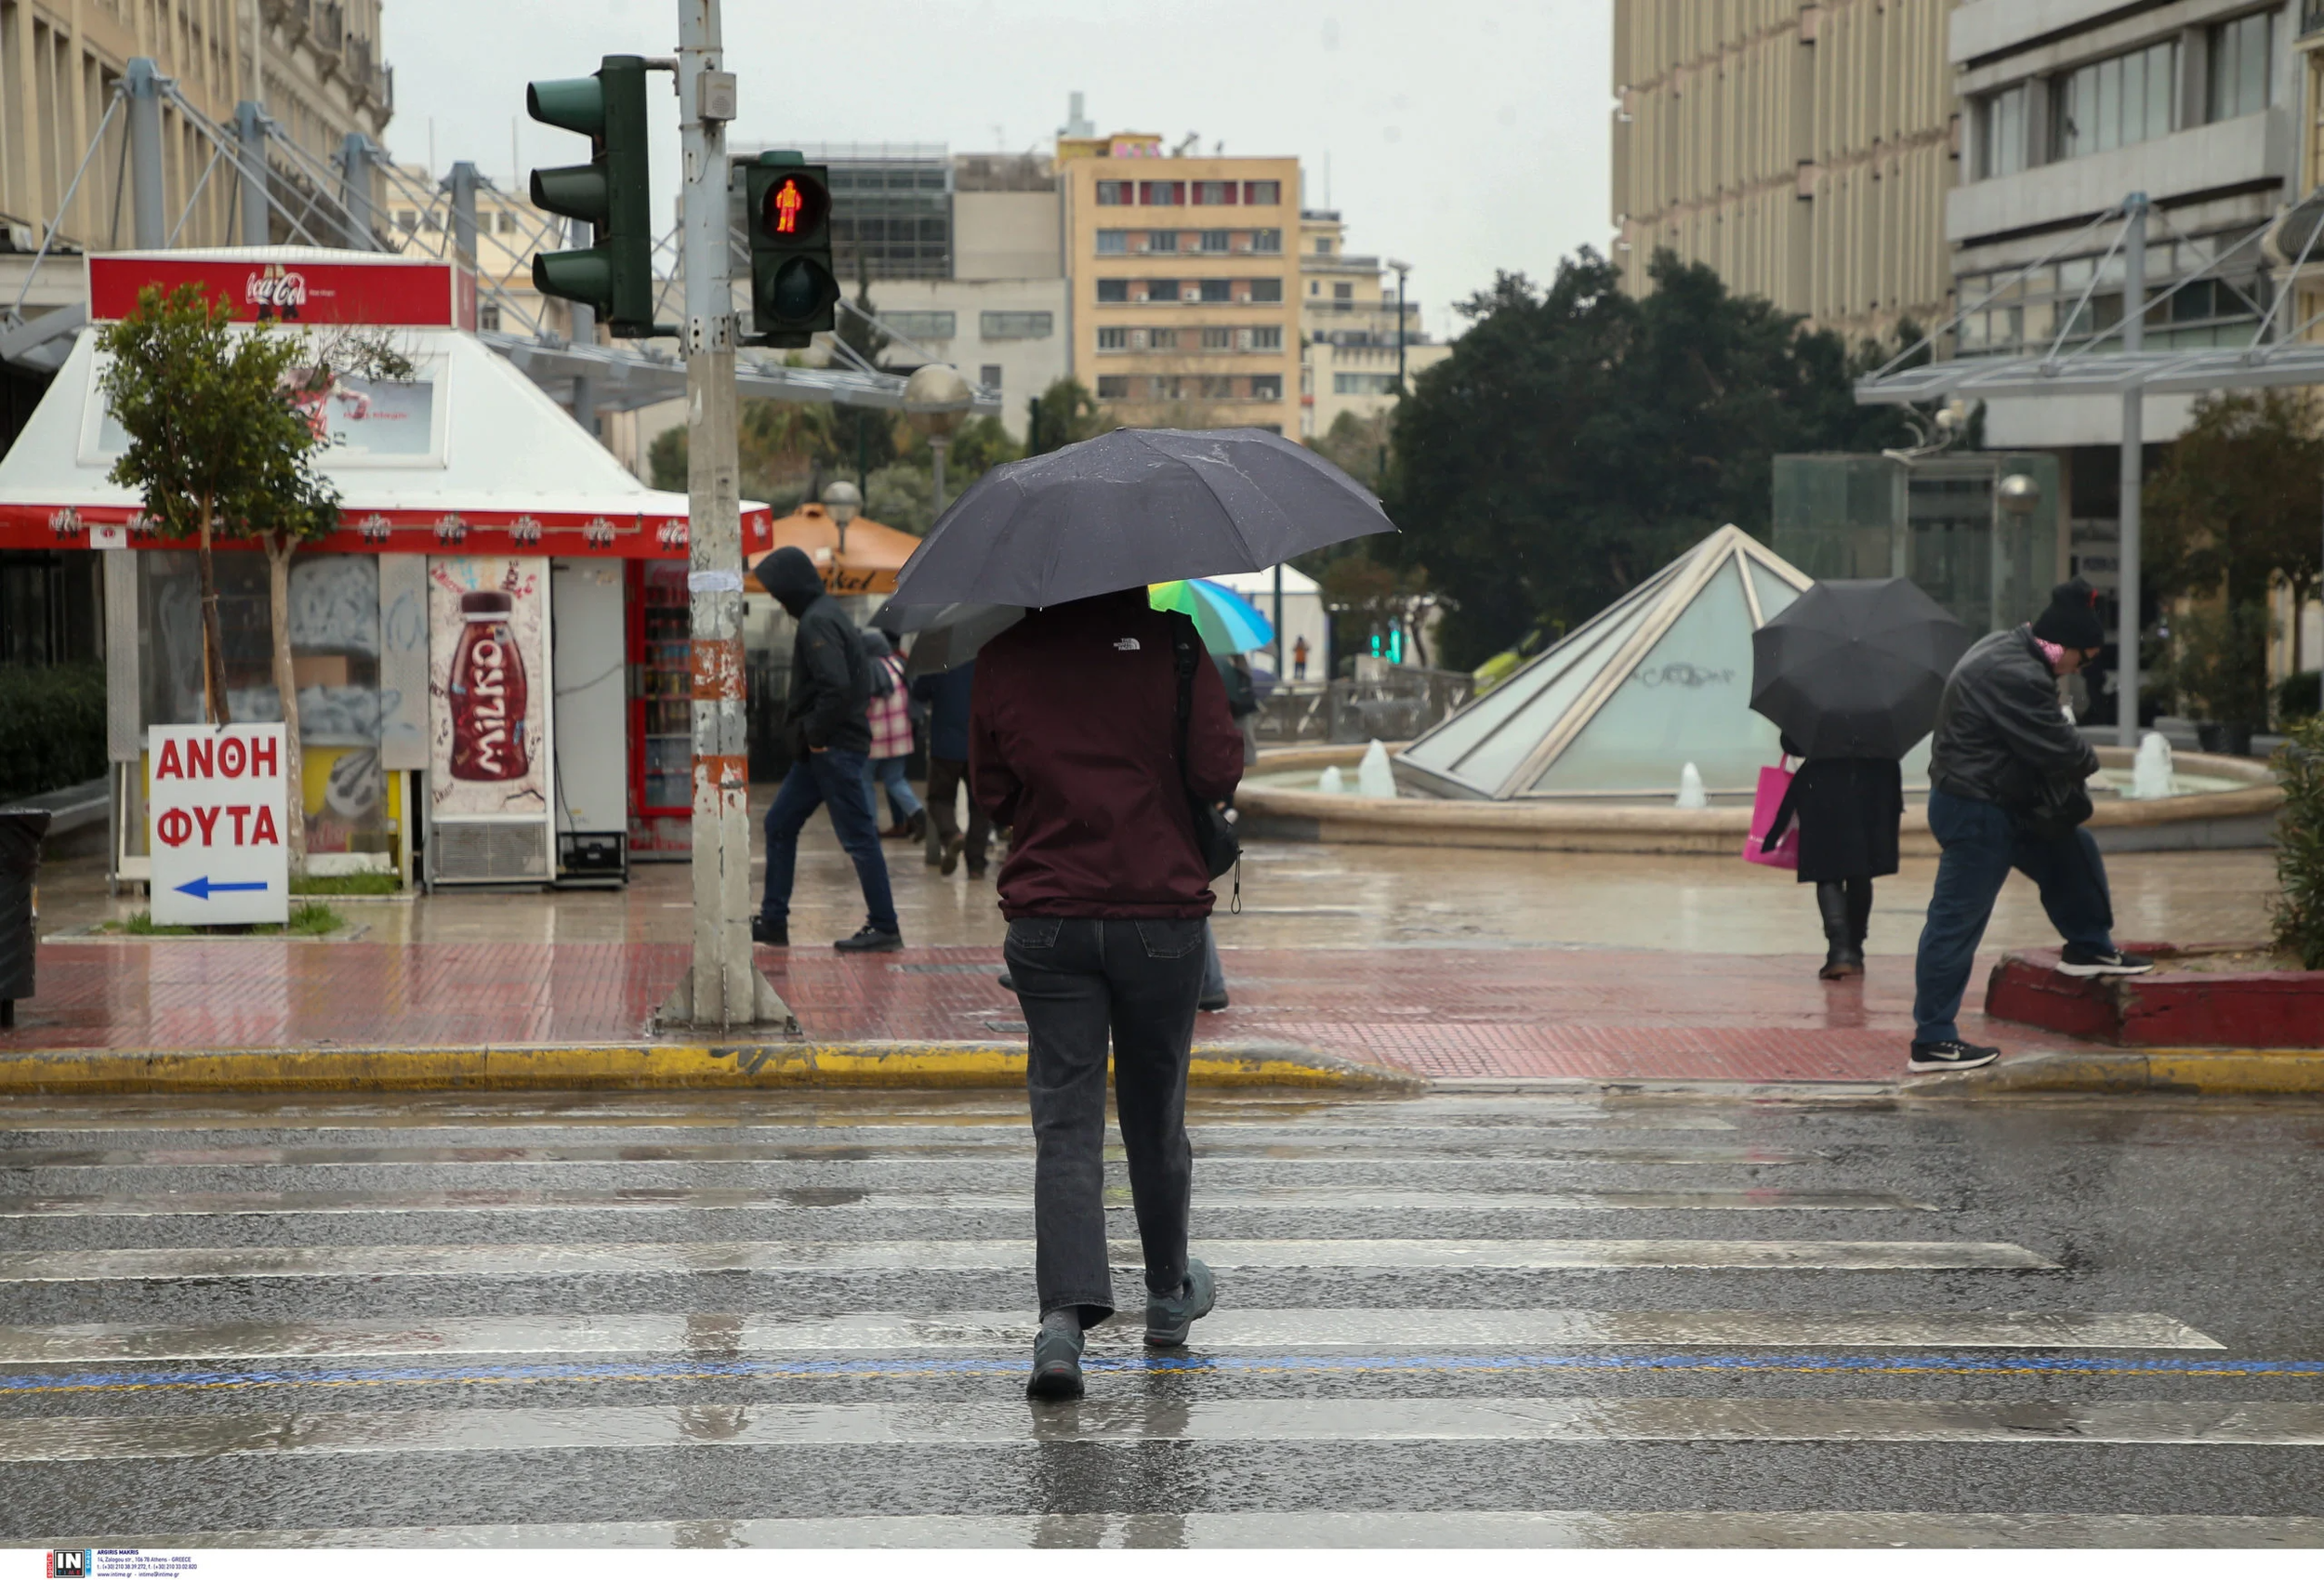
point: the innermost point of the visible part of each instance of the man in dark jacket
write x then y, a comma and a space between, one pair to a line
2006, 773
947, 698
1075, 745
829, 736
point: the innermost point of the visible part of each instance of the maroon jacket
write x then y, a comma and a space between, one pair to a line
1072, 745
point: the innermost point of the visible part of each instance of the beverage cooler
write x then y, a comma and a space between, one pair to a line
661, 713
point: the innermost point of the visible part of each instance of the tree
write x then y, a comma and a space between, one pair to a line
1063, 413
1578, 439
1358, 446
2235, 506
224, 426
1366, 597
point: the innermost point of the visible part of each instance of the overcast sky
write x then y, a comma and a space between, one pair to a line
1463, 136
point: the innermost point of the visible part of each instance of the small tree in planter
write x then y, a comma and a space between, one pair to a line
224, 425
2300, 845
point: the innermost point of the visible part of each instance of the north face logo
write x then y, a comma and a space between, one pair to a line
1127, 644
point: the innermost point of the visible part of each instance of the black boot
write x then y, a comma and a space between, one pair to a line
1842, 957
1859, 914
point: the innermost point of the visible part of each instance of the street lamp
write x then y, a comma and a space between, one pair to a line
936, 401
841, 500
1401, 269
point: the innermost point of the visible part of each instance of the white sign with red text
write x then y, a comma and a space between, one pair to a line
214, 808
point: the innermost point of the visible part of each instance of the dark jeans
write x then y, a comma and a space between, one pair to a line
944, 777
891, 772
1078, 978
833, 779
1981, 844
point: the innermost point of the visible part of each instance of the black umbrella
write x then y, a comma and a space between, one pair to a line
947, 636
1854, 669
1131, 507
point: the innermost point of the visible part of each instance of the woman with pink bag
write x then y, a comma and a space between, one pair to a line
1848, 810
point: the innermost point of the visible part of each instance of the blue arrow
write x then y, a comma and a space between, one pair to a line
202, 888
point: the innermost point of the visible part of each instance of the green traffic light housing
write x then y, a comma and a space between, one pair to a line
787, 211
613, 192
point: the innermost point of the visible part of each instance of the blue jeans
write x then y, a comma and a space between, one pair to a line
1981, 844
1213, 969
833, 779
902, 804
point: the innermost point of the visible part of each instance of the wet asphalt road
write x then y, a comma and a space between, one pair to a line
655, 1320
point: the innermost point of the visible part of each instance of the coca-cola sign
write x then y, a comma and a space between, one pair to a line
420, 292
275, 292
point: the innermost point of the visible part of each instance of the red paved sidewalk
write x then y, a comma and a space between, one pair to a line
1443, 1012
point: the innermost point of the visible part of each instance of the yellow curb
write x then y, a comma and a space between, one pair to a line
640, 1066
2292, 1071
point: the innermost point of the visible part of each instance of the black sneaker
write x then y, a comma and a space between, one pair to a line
1169, 1318
775, 935
1007, 982
2078, 961
1211, 1006
1056, 1365
869, 940
1954, 1055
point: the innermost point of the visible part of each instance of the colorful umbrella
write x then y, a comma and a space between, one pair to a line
1229, 622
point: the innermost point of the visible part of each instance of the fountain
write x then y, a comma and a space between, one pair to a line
1691, 795
1330, 783
1373, 776
2150, 770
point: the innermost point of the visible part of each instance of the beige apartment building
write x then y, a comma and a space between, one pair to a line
1185, 291
313, 65
1801, 147
1349, 327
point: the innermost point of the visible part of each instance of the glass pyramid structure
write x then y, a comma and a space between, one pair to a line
1659, 678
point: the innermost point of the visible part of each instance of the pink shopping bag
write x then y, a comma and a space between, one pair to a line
1773, 785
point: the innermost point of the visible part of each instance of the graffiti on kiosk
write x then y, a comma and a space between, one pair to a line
485, 645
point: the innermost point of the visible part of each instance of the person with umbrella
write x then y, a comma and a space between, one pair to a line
2007, 776
1102, 740
1850, 673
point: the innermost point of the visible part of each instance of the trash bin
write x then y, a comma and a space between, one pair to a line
20, 833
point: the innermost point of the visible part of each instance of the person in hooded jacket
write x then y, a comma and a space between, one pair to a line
829, 737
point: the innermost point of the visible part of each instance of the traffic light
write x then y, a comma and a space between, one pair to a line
613, 192
788, 205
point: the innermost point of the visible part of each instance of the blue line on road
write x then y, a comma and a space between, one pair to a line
685, 1371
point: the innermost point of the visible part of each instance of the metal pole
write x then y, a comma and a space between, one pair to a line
726, 989
2134, 446
461, 184
1281, 674
1400, 274
250, 132
355, 191
585, 333
150, 227
936, 448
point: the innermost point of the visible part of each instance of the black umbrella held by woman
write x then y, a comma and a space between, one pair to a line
1850, 673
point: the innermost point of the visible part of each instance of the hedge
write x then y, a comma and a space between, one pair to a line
52, 727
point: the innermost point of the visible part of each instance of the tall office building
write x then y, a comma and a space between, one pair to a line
1184, 289
1803, 151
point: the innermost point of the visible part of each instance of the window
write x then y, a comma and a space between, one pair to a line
988, 376
1214, 241
1342, 291
1161, 241
1322, 246
1266, 386
1217, 339
1113, 387
487, 317
1266, 290
1216, 389
1113, 290
2117, 102
1315, 288
507, 223
1218, 290
2001, 132
1162, 195
408, 221
1267, 337
1116, 194
920, 325
1015, 326
1266, 240
1113, 241
1161, 339
1214, 193
1363, 384
2241, 59
1161, 290
1263, 193
1113, 340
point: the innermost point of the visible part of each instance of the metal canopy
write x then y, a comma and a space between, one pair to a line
623, 380
2112, 373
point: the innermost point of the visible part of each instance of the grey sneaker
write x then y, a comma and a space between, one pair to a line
1954, 1055
1056, 1365
2076, 961
1171, 1317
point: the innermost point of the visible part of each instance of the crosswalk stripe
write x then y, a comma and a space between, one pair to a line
1321, 1528
837, 1198
1005, 1332
978, 1255
2247, 1423
1010, 1153
951, 1128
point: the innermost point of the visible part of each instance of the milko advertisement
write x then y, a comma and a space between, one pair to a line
215, 801
488, 693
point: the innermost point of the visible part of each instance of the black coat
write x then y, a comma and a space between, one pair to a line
830, 677
1848, 810
2002, 735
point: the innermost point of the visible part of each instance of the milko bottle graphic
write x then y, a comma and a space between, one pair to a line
488, 693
